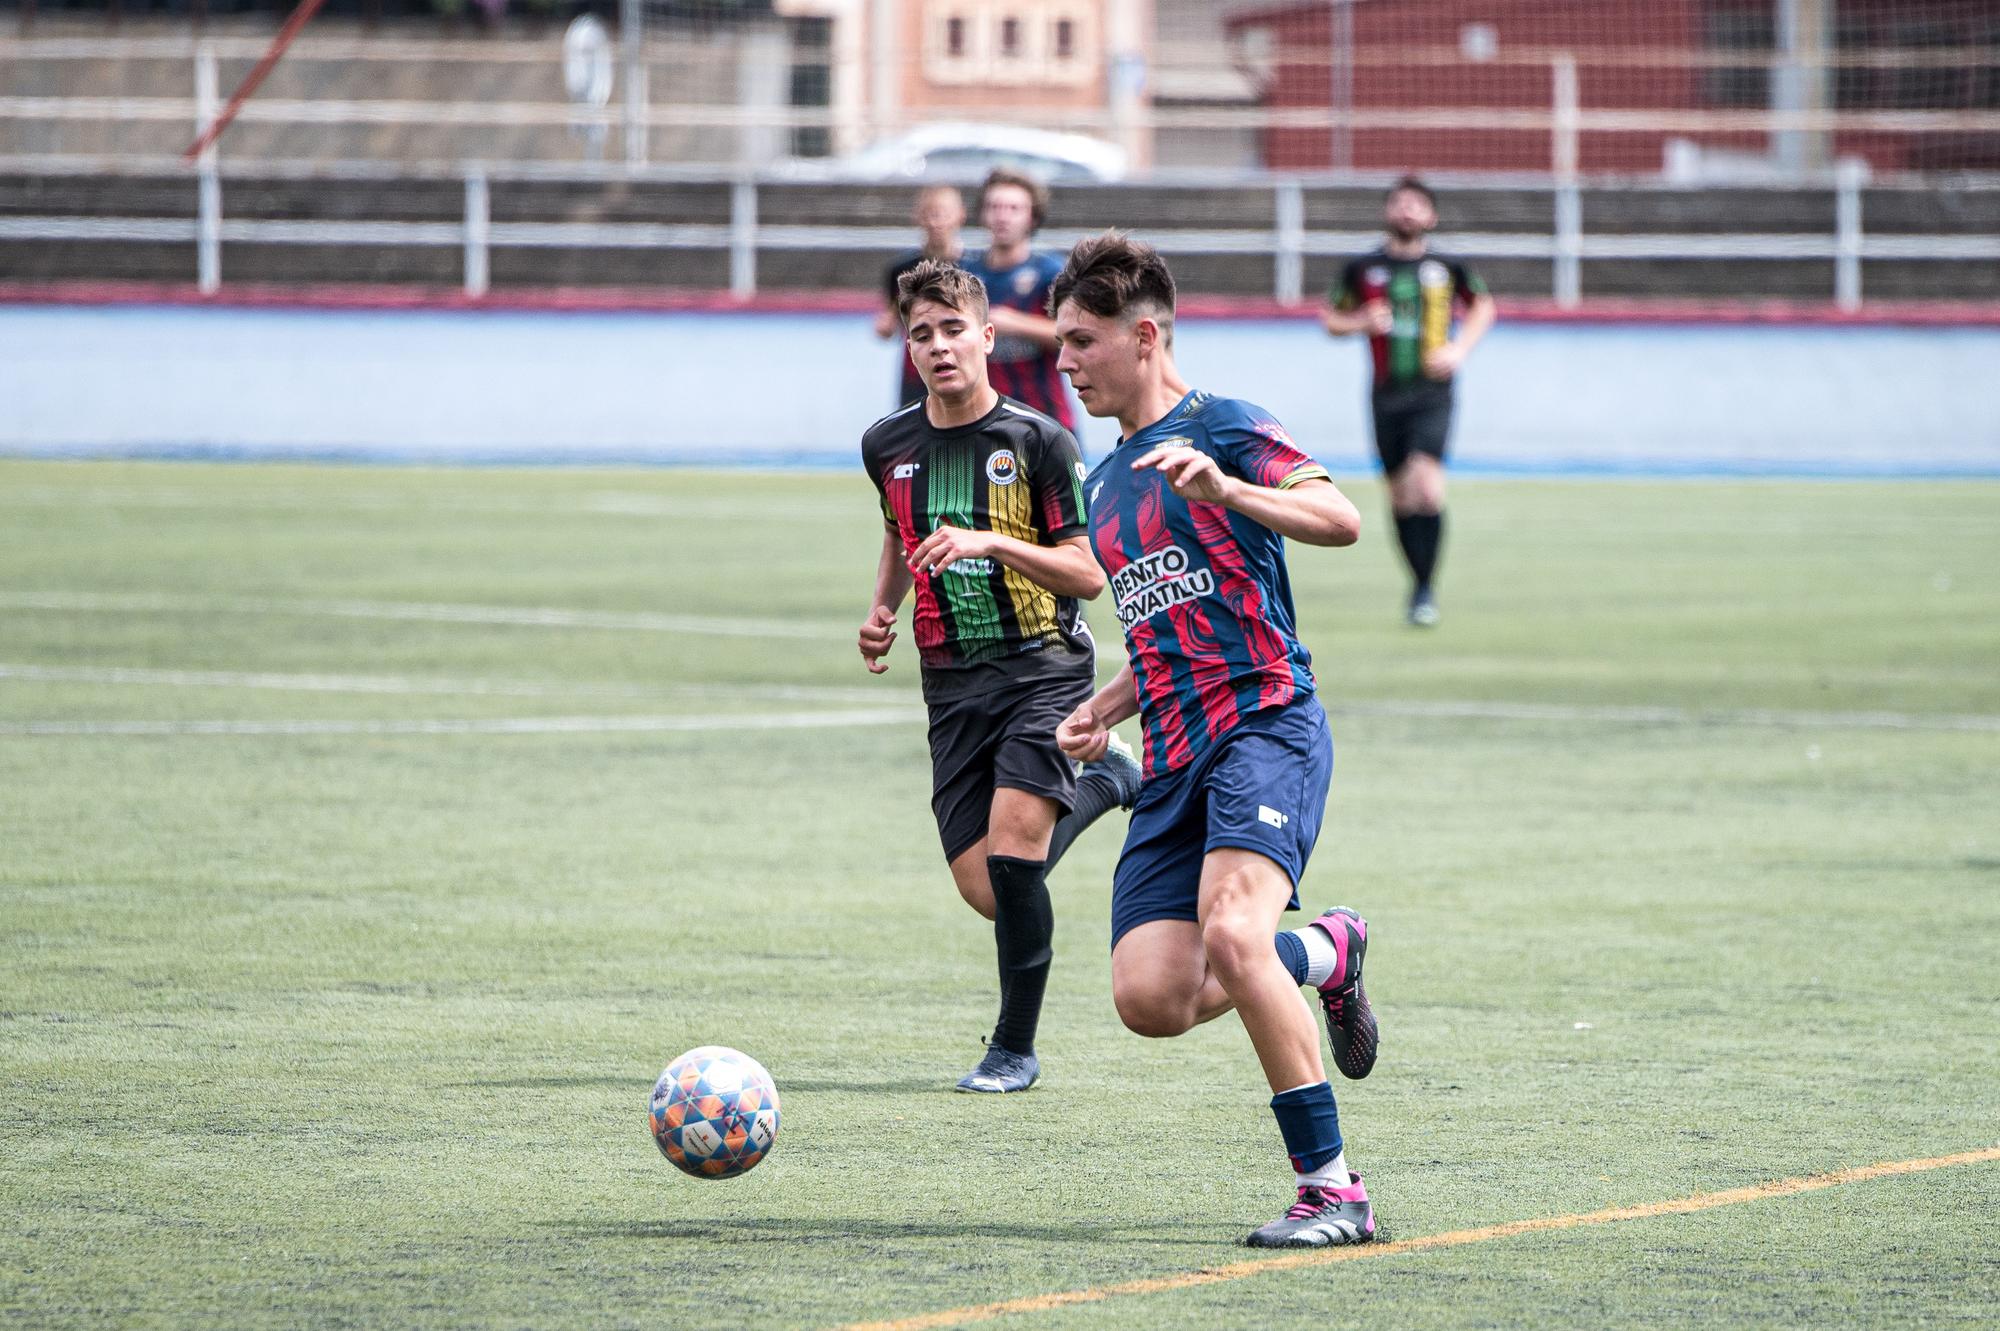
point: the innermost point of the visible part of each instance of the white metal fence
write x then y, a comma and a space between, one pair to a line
1287, 240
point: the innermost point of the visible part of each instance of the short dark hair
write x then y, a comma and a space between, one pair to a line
1038, 193
943, 284
1416, 185
1115, 277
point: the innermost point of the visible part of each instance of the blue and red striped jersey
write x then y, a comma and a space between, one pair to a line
1202, 593
1019, 367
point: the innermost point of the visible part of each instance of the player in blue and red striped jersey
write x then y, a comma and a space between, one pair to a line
1012, 207
1188, 516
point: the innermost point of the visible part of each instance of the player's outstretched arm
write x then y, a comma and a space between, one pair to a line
892, 584
1086, 732
1314, 511
1066, 568
1037, 328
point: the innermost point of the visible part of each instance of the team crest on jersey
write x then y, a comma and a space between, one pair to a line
1000, 468
1431, 273
1025, 280
904, 470
1376, 276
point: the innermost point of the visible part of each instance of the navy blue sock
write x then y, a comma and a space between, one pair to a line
1309, 1124
1292, 953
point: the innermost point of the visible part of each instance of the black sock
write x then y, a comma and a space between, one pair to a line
1096, 795
1421, 534
1024, 923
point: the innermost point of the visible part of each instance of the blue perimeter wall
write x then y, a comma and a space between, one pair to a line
798, 389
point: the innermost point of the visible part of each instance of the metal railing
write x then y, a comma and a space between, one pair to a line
1288, 240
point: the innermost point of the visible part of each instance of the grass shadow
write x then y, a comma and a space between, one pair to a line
595, 1079
800, 1229
906, 1086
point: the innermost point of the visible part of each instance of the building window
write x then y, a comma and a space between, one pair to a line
812, 82
1065, 42
954, 37
1010, 38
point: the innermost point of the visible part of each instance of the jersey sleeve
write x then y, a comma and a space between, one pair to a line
1057, 483
871, 462
1051, 267
1467, 285
1250, 442
1346, 292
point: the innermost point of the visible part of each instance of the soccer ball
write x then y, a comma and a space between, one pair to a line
715, 1112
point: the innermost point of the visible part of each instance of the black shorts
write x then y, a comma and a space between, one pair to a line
1413, 423
995, 725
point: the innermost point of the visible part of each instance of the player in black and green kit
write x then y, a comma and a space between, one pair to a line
1405, 298
982, 505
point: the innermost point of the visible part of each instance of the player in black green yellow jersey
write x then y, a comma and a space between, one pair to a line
983, 504
1406, 299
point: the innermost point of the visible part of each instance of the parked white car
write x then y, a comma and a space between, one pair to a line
967, 151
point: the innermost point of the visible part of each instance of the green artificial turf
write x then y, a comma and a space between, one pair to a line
1680, 842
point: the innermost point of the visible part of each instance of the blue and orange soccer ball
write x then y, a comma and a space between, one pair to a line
715, 1112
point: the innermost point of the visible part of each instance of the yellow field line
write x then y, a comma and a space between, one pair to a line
1705, 1201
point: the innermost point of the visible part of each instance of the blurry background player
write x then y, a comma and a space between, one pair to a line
983, 505
1012, 207
1404, 297
940, 215
1188, 516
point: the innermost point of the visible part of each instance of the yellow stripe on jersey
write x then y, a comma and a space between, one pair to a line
1010, 508
1312, 472
1436, 317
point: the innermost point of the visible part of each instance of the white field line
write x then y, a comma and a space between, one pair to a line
645, 504
444, 687
529, 616
1672, 716
617, 503
908, 712
539, 725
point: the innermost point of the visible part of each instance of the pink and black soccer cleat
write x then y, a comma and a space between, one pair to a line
1350, 1022
1321, 1218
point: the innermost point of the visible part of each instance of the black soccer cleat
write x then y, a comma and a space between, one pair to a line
1002, 1071
1350, 1021
1321, 1218
1120, 767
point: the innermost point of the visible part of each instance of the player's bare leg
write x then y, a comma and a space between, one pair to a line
1169, 976
1243, 894
1002, 877
1161, 983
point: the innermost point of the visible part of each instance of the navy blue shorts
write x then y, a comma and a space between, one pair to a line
1262, 787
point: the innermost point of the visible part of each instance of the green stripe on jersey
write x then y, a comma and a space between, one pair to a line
1406, 336
974, 610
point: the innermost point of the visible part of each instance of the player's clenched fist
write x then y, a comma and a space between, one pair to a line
878, 632
1380, 319
1443, 360
1082, 736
